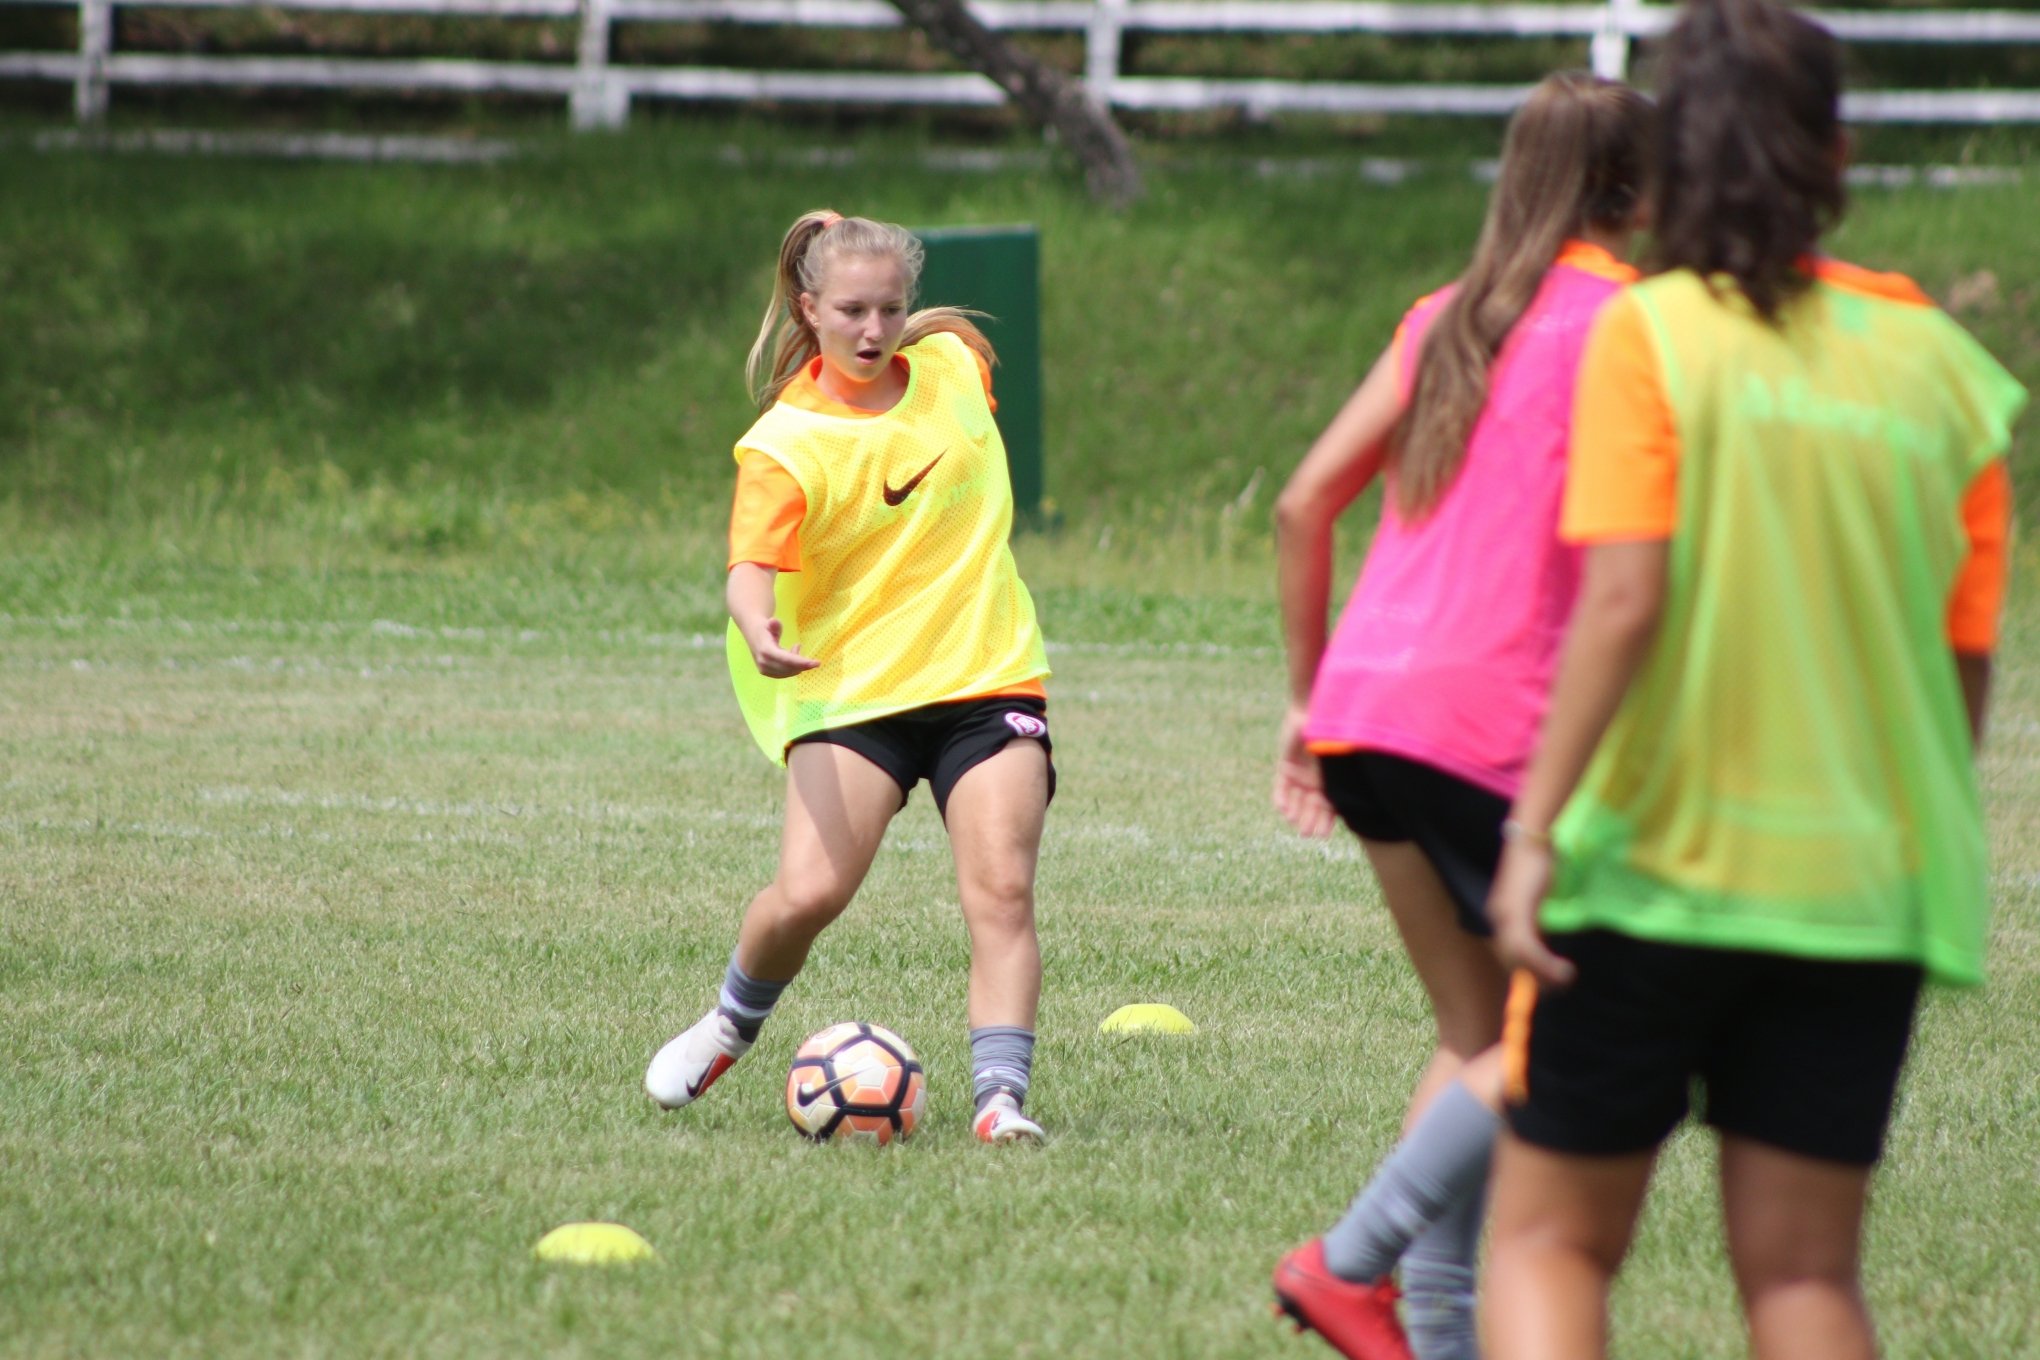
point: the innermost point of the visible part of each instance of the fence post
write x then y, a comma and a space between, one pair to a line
1101, 49
95, 41
599, 99
1611, 40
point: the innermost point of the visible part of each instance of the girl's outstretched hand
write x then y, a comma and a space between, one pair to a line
775, 662
1299, 793
1521, 881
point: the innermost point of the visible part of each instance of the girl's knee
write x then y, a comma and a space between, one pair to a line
1008, 918
811, 900
999, 898
1768, 1270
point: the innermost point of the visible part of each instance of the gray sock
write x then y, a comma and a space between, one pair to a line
1438, 1283
747, 1000
1443, 1161
1001, 1058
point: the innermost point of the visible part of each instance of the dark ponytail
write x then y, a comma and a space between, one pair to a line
1750, 163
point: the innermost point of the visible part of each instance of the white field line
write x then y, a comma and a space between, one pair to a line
234, 796
240, 796
285, 831
291, 629
275, 665
288, 629
1061, 836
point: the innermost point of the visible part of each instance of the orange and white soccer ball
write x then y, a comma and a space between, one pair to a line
855, 1082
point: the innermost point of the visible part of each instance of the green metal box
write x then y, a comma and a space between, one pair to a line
997, 270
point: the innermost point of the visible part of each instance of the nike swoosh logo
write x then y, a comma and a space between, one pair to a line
723, 1063
893, 497
808, 1095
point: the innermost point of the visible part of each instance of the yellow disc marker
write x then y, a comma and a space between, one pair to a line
593, 1244
1147, 1017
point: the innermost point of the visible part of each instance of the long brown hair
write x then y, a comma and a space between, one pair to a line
810, 243
1577, 155
1750, 146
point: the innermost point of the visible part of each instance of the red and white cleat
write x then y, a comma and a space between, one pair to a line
690, 1064
1000, 1121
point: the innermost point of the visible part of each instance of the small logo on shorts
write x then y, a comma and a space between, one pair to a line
1027, 725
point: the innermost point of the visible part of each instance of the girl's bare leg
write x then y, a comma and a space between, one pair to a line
1465, 984
838, 805
1795, 1228
1558, 1231
995, 816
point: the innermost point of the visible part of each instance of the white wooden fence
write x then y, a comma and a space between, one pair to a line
599, 92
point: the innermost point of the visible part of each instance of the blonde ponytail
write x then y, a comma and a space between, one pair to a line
785, 335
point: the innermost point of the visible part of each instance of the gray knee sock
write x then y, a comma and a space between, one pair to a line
1442, 1161
1001, 1057
746, 1000
1438, 1281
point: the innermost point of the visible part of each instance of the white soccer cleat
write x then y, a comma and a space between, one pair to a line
1000, 1121
690, 1064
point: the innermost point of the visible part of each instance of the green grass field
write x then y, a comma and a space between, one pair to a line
372, 804
344, 909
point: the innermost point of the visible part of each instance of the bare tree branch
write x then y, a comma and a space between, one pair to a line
1046, 95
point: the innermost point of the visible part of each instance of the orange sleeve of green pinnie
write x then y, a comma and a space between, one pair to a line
1622, 469
1978, 598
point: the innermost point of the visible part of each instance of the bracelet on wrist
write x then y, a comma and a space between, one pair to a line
1513, 830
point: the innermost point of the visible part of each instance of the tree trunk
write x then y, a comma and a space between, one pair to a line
1050, 98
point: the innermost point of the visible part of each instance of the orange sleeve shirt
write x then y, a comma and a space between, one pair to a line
765, 518
1622, 473
1979, 595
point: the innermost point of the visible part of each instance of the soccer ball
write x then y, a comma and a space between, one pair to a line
855, 1082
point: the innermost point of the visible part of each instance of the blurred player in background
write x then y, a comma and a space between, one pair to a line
1414, 724
1757, 769
880, 635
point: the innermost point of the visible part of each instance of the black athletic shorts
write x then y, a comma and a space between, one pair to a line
1802, 1054
942, 742
1456, 824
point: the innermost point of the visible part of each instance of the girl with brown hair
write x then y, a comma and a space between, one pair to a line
1752, 827
1413, 724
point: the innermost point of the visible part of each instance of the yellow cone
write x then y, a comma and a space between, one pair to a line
1147, 1017
592, 1244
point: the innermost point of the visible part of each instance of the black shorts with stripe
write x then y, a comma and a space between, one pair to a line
943, 742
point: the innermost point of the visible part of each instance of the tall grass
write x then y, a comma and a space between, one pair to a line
471, 357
